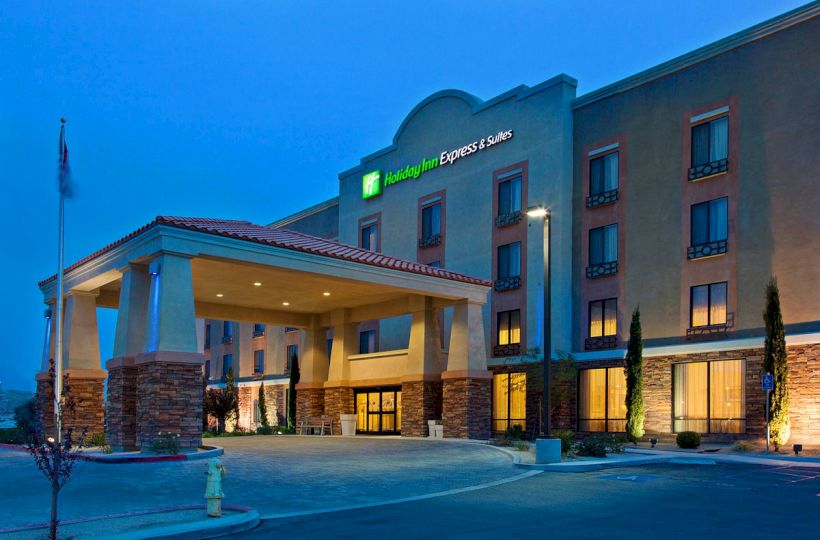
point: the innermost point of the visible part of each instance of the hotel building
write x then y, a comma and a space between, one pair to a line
417, 293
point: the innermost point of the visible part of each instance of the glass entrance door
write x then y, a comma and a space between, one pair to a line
378, 410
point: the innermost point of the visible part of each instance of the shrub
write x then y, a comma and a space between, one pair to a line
97, 439
25, 416
264, 430
515, 432
12, 436
286, 430
688, 439
567, 438
618, 443
166, 444
522, 447
208, 434
595, 446
742, 446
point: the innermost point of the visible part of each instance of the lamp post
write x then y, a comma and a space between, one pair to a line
544, 213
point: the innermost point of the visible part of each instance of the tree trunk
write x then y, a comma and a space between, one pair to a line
52, 531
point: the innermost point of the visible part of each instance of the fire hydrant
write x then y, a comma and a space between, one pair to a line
213, 488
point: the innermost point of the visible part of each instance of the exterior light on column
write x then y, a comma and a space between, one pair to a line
285, 303
537, 211
154, 268
219, 295
47, 314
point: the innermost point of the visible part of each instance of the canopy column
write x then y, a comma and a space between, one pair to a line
338, 393
313, 372
421, 385
467, 382
169, 377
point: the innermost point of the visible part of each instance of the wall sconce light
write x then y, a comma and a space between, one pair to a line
797, 449
653, 441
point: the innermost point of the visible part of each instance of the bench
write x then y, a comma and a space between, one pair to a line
316, 422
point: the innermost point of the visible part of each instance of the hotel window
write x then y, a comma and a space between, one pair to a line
258, 330
602, 399
370, 237
709, 397
603, 251
292, 355
603, 315
708, 305
509, 327
709, 228
431, 220
367, 341
259, 361
603, 180
207, 370
227, 332
509, 401
227, 364
710, 142
509, 260
509, 196
207, 336
435, 264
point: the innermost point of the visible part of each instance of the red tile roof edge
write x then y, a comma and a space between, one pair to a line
283, 238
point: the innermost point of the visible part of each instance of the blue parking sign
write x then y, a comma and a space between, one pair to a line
768, 382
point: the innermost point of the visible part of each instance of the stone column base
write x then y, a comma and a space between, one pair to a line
309, 402
87, 388
338, 400
420, 402
466, 406
121, 409
169, 398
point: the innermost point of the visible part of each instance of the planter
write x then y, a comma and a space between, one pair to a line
431, 428
547, 451
438, 431
348, 424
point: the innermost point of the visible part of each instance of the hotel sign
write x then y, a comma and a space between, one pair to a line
374, 181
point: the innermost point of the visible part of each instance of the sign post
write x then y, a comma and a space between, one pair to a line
768, 385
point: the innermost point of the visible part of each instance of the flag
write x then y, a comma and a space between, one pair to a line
63, 170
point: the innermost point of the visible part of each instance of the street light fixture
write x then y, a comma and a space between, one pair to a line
544, 213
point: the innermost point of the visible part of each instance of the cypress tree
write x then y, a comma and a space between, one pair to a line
633, 369
263, 408
232, 398
775, 362
292, 382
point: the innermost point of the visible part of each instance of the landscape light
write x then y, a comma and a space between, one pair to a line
653, 442
797, 448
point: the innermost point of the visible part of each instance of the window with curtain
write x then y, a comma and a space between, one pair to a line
509, 196
370, 237
603, 316
709, 397
367, 341
227, 364
710, 221
259, 361
603, 174
708, 304
227, 329
710, 141
509, 327
603, 244
258, 330
431, 220
509, 260
509, 401
602, 399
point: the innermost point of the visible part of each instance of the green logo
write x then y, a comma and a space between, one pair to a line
371, 184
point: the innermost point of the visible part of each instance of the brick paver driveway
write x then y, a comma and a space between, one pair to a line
275, 474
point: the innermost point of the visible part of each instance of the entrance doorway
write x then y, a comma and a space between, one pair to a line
378, 410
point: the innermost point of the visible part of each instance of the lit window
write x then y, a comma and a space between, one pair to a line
509, 401
603, 315
710, 141
259, 361
603, 174
709, 221
509, 196
509, 327
509, 260
708, 305
602, 399
709, 397
431, 220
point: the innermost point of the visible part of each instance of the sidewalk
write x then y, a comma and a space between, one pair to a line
749, 459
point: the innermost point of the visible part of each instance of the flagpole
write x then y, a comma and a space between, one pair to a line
58, 363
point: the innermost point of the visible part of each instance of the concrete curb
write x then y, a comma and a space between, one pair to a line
728, 458
212, 451
207, 528
592, 465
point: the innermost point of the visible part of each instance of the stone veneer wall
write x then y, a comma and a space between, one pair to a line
309, 402
466, 408
89, 411
420, 402
804, 393
338, 401
169, 400
121, 409
45, 401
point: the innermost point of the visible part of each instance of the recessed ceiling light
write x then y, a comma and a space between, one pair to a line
285, 303
257, 283
219, 295
326, 293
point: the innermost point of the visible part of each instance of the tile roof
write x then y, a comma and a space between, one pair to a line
283, 238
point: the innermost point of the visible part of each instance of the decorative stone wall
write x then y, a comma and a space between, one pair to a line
420, 402
309, 402
89, 405
804, 394
338, 401
246, 396
45, 401
466, 408
169, 399
121, 409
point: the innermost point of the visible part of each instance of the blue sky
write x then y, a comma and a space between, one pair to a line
249, 110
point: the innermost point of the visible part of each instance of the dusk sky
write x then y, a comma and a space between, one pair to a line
250, 110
